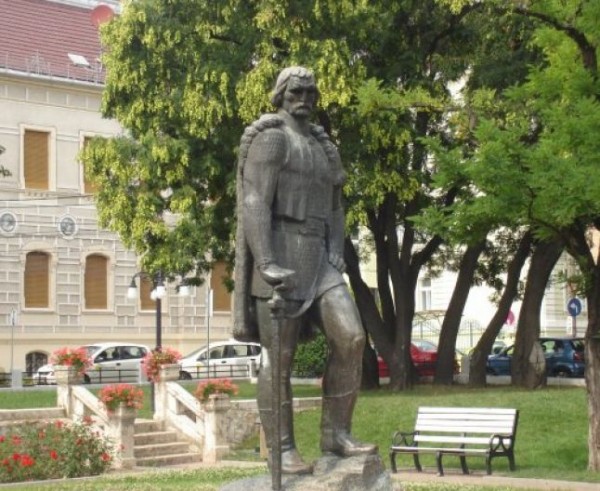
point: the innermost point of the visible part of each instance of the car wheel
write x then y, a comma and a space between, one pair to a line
184, 376
86, 380
562, 373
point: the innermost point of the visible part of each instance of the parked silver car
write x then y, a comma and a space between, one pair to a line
111, 362
222, 359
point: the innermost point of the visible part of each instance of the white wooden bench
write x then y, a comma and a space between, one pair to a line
485, 432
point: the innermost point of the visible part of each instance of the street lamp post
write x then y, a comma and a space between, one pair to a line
157, 294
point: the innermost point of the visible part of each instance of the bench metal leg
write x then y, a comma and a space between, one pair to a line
488, 465
463, 464
438, 459
393, 461
417, 462
511, 461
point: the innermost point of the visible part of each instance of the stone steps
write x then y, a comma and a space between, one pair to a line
10, 417
156, 447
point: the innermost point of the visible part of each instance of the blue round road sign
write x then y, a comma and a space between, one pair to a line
574, 307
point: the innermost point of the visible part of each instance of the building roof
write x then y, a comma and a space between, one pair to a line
46, 38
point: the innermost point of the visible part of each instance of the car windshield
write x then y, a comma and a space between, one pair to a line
424, 345
195, 353
91, 349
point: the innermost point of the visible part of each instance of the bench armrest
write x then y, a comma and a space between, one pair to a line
501, 442
404, 439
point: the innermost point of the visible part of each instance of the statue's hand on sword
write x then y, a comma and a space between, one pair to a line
282, 279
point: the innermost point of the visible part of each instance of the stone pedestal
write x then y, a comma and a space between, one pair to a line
167, 373
331, 473
66, 377
121, 429
215, 444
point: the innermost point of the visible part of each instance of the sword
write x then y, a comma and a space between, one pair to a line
277, 306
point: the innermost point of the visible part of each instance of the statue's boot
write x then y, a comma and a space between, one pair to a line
335, 428
291, 462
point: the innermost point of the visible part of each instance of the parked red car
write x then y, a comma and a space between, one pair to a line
424, 356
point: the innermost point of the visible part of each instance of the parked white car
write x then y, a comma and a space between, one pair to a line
224, 359
111, 362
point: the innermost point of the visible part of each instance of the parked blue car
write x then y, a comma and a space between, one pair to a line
564, 358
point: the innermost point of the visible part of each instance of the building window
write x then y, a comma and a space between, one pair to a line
35, 360
96, 282
36, 159
146, 287
37, 280
88, 186
425, 293
221, 296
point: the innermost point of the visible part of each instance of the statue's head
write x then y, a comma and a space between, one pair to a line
296, 91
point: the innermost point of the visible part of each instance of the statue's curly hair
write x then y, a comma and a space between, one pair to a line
284, 78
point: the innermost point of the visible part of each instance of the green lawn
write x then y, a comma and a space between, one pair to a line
551, 436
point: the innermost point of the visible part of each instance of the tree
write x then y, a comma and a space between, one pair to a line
550, 138
183, 79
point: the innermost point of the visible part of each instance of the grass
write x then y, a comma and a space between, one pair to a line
551, 436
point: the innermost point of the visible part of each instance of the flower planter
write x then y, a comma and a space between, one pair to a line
216, 403
124, 413
67, 375
168, 373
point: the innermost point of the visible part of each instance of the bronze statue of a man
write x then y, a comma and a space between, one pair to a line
291, 237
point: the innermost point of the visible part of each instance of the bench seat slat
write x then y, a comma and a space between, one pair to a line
474, 428
467, 440
400, 449
456, 420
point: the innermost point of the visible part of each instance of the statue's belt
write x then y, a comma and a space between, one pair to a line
310, 226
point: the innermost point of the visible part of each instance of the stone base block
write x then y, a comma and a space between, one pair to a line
331, 473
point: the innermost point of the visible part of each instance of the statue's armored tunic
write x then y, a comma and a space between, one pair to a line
295, 180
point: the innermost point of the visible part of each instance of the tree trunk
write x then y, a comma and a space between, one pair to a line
369, 315
370, 371
478, 358
592, 370
528, 368
444, 371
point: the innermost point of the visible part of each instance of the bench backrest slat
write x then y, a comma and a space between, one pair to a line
466, 420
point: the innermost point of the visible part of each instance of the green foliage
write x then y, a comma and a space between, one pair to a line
310, 358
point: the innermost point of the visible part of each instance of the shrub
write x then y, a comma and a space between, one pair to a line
157, 357
52, 451
114, 395
215, 386
311, 357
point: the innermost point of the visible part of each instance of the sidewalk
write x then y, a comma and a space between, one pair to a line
476, 480
483, 480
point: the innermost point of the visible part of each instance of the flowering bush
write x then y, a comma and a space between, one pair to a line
77, 358
52, 451
215, 386
114, 395
157, 357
